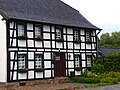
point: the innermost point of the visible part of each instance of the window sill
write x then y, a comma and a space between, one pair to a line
38, 39
39, 70
78, 69
60, 40
88, 42
88, 68
77, 41
22, 70
22, 37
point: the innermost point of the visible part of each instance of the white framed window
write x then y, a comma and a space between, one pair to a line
76, 35
21, 61
88, 36
38, 61
58, 33
38, 31
77, 61
21, 29
88, 61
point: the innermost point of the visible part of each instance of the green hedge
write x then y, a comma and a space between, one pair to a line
85, 80
109, 62
95, 80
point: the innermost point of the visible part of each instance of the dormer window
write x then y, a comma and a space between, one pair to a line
88, 36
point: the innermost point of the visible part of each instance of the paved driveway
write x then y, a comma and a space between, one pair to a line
111, 87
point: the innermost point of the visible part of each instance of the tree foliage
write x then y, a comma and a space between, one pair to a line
110, 62
110, 40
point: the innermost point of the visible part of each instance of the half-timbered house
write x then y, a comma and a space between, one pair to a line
43, 39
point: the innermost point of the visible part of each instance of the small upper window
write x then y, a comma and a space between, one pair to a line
88, 36
38, 61
58, 32
21, 61
21, 29
38, 31
76, 35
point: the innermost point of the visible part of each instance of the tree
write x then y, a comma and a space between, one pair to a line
115, 39
105, 40
108, 40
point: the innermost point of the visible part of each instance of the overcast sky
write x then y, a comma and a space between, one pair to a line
104, 14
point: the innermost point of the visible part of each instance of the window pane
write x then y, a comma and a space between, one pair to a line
88, 36
37, 31
21, 61
20, 30
38, 61
76, 35
58, 33
88, 61
77, 61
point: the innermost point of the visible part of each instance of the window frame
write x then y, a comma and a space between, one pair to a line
90, 62
61, 32
39, 61
18, 31
25, 61
88, 36
78, 36
37, 35
80, 61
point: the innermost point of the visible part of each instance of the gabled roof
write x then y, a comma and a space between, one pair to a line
106, 50
46, 11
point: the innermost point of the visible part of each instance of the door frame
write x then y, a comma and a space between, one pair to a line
59, 66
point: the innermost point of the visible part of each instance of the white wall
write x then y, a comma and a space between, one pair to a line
3, 53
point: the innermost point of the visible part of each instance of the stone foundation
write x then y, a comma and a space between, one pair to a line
56, 80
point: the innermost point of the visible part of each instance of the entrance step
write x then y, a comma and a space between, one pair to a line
58, 80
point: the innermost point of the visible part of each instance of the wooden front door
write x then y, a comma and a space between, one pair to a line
60, 64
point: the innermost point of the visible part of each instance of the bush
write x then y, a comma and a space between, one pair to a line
97, 68
86, 80
92, 75
109, 74
109, 80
